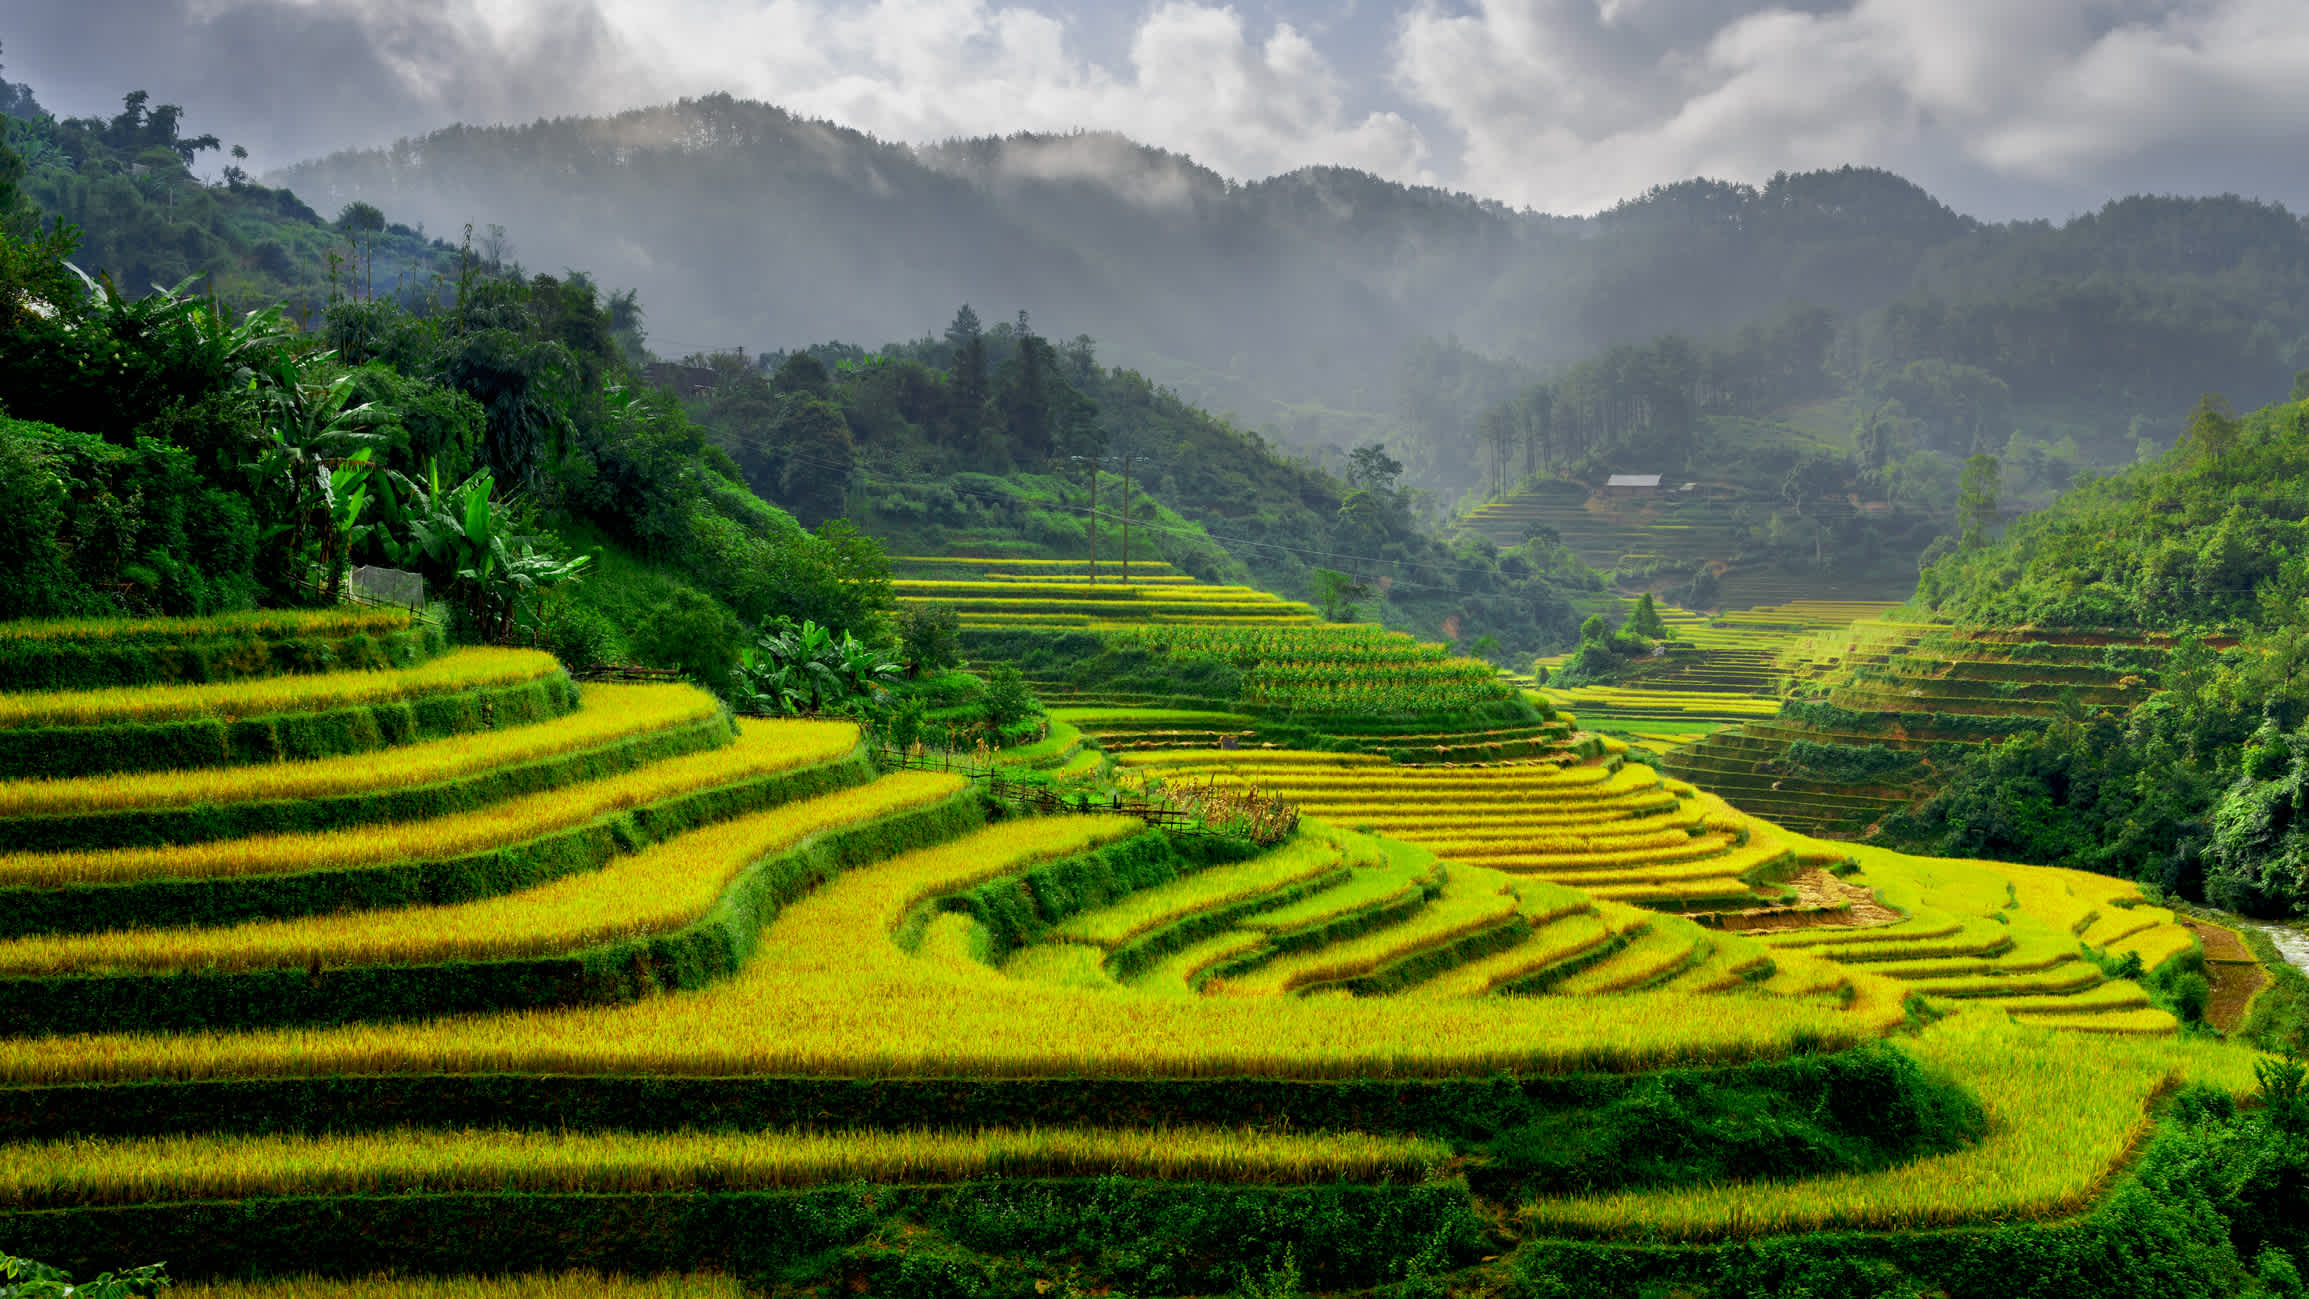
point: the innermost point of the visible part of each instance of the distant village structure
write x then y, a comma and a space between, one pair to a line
1632, 485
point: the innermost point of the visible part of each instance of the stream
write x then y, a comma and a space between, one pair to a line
2291, 943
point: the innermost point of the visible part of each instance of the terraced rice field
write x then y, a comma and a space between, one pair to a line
513, 1006
1612, 829
1905, 688
1062, 594
1684, 528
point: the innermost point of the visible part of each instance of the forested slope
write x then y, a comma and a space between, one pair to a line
2197, 786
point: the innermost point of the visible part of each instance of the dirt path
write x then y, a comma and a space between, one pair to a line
2235, 974
1824, 902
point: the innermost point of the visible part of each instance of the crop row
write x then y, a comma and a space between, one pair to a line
828, 993
611, 713
465, 669
448, 841
399, 1163
661, 888
262, 624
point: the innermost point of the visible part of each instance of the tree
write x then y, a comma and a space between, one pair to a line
1372, 469
929, 637
1338, 594
1976, 501
1645, 619
816, 457
2212, 429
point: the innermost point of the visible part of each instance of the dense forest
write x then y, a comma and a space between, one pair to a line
464, 362
1328, 308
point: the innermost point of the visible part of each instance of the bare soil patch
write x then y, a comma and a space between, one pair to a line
2235, 975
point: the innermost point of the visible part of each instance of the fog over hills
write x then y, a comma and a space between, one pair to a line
742, 224
1290, 301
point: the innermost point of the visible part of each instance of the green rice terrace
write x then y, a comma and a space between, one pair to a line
1676, 532
333, 950
1878, 707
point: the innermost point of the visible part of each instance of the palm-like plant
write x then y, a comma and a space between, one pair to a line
314, 446
462, 534
805, 667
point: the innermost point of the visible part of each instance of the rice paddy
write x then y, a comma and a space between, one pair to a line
610, 714
1565, 912
993, 594
465, 669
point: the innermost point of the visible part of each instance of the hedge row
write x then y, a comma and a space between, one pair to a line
27, 664
228, 900
1145, 1236
203, 822
710, 948
1875, 1091
61, 752
1143, 952
2214, 1206
1023, 908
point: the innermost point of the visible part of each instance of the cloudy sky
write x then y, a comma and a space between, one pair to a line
2002, 107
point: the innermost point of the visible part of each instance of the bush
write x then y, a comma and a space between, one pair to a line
580, 636
1008, 701
687, 630
929, 637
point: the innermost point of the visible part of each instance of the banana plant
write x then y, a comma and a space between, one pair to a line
806, 667
460, 535
310, 434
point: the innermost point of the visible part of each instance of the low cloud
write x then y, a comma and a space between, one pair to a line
2003, 107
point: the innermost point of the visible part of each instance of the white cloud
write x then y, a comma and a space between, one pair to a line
1570, 105
1198, 79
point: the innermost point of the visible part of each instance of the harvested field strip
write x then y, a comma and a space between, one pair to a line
265, 624
611, 713
415, 1161
1551, 944
1471, 900
656, 890
464, 669
536, 1285
2061, 1121
762, 748
1306, 858
827, 993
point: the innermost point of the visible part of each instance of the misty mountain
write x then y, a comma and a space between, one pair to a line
743, 224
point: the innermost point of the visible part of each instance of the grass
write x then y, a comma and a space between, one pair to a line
405, 1162
459, 670
610, 713
1471, 900
761, 749
2061, 1121
1305, 858
557, 1285
261, 624
661, 888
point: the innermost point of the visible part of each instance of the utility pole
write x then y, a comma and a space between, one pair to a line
1094, 528
1126, 518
